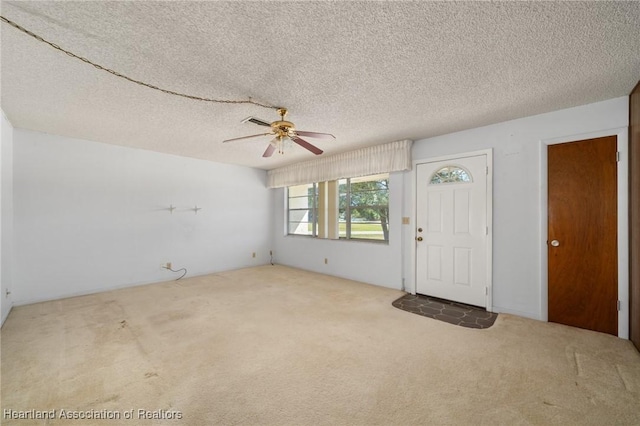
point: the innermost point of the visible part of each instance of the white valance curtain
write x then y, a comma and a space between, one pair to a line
389, 157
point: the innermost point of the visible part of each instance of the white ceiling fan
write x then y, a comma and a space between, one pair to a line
283, 131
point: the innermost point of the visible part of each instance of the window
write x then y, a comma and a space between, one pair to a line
450, 174
302, 210
352, 208
364, 208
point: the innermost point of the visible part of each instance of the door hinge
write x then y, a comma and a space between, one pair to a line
486, 170
486, 291
617, 156
486, 230
619, 307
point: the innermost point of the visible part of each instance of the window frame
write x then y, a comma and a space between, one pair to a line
313, 211
349, 208
448, 181
321, 212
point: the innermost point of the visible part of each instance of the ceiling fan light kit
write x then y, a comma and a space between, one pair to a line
284, 131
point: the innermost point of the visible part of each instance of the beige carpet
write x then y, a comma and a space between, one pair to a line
279, 346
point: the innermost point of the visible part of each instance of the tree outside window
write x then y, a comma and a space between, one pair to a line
364, 208
362, 211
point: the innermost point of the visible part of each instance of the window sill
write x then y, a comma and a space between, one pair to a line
354, 240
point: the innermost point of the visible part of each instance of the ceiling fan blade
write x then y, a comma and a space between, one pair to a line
306, 145
315, 134
247, 137
269, 151
257, 121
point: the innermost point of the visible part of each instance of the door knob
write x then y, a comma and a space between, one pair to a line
418, 238
555, 243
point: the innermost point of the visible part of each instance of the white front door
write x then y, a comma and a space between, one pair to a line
452, 229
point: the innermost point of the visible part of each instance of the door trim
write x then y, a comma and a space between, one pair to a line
414, 206
622, 134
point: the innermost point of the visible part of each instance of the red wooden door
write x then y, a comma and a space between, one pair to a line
582, 239
634, 216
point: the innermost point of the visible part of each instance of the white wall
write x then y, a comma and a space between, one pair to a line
517, 234
369, 262
517, 213
6, 217
91, 216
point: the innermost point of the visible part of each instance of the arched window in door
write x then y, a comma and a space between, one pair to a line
450, 174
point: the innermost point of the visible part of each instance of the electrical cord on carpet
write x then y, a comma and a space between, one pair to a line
178, 270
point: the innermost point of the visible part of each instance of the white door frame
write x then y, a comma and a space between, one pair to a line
622, 134
414, 196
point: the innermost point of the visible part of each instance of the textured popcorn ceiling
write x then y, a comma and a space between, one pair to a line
368, 72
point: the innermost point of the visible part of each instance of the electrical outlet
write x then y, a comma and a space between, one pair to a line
166, 265
254, 254
326, 261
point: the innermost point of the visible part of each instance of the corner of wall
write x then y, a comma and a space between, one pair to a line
6, 216
5, 314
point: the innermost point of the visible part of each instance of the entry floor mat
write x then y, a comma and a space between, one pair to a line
446, 310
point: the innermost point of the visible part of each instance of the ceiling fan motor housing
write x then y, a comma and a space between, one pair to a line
283, 128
